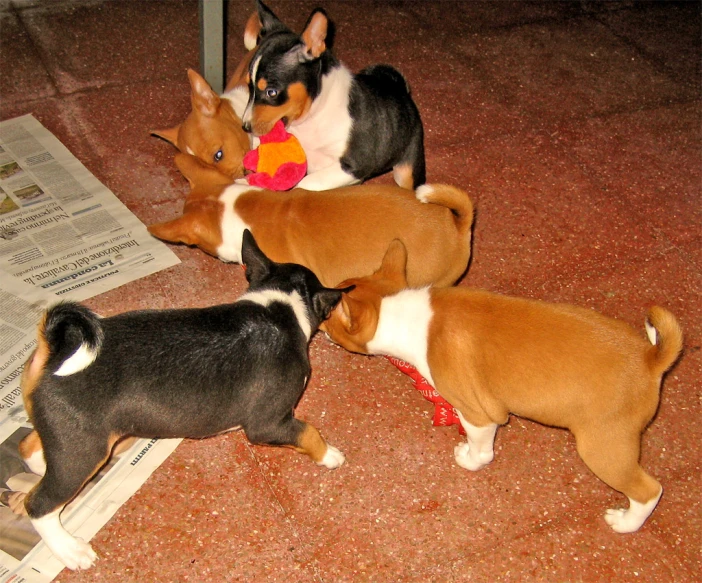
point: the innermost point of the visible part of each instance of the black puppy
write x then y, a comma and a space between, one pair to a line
168, 373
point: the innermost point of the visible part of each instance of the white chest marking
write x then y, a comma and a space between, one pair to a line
324, 131
294, 300
247, 113
239, 98
403, 329
233, 226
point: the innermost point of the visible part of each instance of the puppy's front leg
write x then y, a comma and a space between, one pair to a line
477, 451
330, 177
302, 437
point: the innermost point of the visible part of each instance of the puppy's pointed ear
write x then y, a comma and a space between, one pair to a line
394, 265
252, 30
269, 21
203, 99
315, 34
258, 266
326, 299
181, 230
350, 314
170, 135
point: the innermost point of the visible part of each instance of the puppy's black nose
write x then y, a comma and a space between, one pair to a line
247, 127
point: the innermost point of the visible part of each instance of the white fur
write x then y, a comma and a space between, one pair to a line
294, 300
72, 552
330, 177
477, 451
333, 458
651, 332
630, 520
81, 359
324, 131
403, 329
233, 226
239, 98
36, 463
247, 114
423, 192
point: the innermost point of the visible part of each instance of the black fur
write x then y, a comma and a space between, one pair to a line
387, 129
386, 126
175, 373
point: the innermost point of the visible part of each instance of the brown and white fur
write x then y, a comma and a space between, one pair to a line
337, 237
351, 126
491, 356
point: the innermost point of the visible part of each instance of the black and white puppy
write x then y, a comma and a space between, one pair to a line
351, 127
168, 373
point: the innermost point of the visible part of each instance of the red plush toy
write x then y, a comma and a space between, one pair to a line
279, 163
444, 413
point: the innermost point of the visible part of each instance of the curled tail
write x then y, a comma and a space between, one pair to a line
455, 199
72, 335
666, 336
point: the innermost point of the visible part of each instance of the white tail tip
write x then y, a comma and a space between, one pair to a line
651, 332
423, 191
79, 360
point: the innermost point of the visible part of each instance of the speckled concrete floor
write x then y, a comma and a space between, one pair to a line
576, 128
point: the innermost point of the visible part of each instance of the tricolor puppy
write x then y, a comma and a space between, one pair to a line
337, 237
492, 355
169, 373
351, 127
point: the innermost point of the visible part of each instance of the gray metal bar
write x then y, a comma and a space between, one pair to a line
211, 14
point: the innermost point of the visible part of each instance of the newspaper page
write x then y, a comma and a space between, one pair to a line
62, 233
23, 557
60, 228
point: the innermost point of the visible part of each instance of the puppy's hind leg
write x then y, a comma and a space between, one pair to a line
477, 451
32, 453
613, 456
300, 436
332, 176
68, 468
411, 171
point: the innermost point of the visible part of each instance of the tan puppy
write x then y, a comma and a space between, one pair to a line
212, 128
492, 355
340, 233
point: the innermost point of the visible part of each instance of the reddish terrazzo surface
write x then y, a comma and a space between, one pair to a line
576, 128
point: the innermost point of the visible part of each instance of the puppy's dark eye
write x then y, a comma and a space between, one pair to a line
271, 93
218, 155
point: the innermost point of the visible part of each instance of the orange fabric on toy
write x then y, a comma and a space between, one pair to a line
279, 163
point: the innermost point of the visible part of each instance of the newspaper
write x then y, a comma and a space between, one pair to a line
60, 228
62, 233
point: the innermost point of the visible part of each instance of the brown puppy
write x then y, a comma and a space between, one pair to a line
491, 355
213, 127
337, 234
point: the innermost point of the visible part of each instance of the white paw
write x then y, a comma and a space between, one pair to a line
620, 520
75, 554
467, 460
333, 458
631, 519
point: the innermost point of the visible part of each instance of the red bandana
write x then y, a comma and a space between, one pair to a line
444, 412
